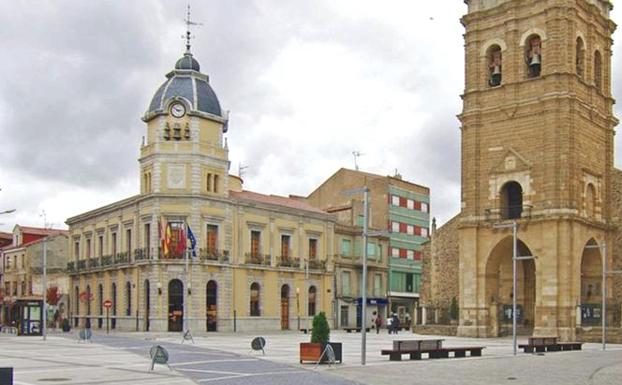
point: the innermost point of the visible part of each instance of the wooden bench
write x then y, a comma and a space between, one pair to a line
358, 330
548, 344
433, 348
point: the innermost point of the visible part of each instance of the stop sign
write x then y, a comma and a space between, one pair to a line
107, 304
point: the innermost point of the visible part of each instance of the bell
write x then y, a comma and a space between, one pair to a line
496, 70
535, 60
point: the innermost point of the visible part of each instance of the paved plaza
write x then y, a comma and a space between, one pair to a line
226, 358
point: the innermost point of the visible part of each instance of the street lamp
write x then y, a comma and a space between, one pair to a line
515, 257
298, 305
603, 248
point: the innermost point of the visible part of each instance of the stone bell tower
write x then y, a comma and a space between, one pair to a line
537, 148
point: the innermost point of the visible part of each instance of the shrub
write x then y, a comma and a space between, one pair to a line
321, 330
454, 309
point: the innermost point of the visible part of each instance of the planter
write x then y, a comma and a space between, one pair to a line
313, 351
65, 325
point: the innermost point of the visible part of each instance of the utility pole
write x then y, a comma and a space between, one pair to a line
44, 281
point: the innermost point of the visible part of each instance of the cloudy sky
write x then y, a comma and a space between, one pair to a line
306, 81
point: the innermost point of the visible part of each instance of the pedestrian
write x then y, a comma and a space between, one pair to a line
378, 323
395, 323
389, 325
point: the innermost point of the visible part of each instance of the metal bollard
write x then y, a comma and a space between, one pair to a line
6, 376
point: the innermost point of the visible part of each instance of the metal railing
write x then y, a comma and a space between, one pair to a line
257, 259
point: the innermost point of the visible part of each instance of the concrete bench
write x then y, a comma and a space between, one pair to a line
358, 330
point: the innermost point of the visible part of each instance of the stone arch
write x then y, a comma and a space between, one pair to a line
499, 287
494, 65
580, 56
533, 55
598, 69
488, 43
211, 305
531, 31
175, 305
285, 307
591, 283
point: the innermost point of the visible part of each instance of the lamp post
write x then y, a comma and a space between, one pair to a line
603, 248
515, 258
298, 305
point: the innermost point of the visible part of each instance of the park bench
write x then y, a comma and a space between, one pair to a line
433, 348
357, 329
548, 344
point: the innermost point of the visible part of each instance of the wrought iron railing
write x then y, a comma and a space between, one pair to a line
257, 259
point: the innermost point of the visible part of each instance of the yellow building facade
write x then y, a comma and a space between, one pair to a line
261, 262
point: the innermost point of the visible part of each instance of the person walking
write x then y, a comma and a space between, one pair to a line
395, 324
378, 323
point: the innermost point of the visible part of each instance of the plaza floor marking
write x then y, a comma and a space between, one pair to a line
208, 371
251, 375
212, 361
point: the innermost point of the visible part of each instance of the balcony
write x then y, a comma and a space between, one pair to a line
71, 267
315, 264
141, 254
257, 259
288, 261
106, 260
122, 258
214, 255
93, 263
82, 264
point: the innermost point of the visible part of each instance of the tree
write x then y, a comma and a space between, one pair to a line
321, 330
52, 296
454, 309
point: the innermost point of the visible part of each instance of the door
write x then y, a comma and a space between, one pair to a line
147, 305
344, 316
212, 306
175, 306
284, 307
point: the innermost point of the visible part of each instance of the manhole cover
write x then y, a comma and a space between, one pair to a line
54, 379
511, 378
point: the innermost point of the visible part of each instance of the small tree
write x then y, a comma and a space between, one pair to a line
321, 330
454, 309
53, 296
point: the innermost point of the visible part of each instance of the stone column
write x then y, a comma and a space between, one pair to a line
424, 315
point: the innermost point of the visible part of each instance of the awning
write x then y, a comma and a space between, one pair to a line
372, 301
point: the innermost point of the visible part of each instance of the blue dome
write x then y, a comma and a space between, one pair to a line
187, 83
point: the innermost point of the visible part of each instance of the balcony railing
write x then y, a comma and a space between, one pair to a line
257, 259
93, 263
122, 257
315, 264
217, 255
288, 261
141, 254
106, 260
82, 264
71, 267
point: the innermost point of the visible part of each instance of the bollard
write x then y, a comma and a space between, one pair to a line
6, 376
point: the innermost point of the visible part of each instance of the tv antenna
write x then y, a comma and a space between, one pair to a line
188, 34
241, 169
356, 154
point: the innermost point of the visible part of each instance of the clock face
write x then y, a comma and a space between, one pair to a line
178, 110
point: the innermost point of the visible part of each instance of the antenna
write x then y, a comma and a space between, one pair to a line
189, 35
45, 219
356, 154
241, 169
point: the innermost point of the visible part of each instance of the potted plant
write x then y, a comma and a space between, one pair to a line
453, 311
320, 335
65, 325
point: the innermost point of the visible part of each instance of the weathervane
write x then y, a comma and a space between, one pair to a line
188, 35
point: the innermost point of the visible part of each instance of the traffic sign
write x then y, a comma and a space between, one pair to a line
107, 304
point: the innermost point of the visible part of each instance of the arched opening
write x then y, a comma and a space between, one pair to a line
312, 299
499, 288
598, 70
211, 306
254, 300
533, 56
591, 284
175, 306
100, 304
493, 58
76, 319
590, 200
113, 322
88, 306
580, 57
147, 304
511, 200
284, 307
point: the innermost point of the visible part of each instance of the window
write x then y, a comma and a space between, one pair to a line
494, 65
590, 200
255, 243
533, 56
147, 238
371, 250
346, 247
312, 298
395, 252
147, 182
128, 298
128, 240
344, 322
285, 246
177, 240
212, 240
215, 183
255, 310
76, 249
88, 248
424, 207
100, 245
580, 57
395, 200
377, 284
345, 283
424, 232
395, 227
511, 200
410, 229
114, 244
208, 183
113, 293
598, 70
410, 254
312, 248
410, 204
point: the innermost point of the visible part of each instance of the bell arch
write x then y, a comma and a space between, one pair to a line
591, 283
511, 200
499, 288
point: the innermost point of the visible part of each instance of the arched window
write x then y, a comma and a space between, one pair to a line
113, 294
590, 200
312, 299
598, 70
100, 305
493, 58
255, 310
128, 298
511, 200
580, 57
533, 56
88, 299
211, 306
77, 299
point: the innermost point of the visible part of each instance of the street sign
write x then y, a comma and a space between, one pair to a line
107, 304
159, 355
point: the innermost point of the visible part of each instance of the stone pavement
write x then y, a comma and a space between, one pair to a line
224, 358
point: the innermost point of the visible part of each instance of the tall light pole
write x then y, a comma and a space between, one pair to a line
44, 280
515, 258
